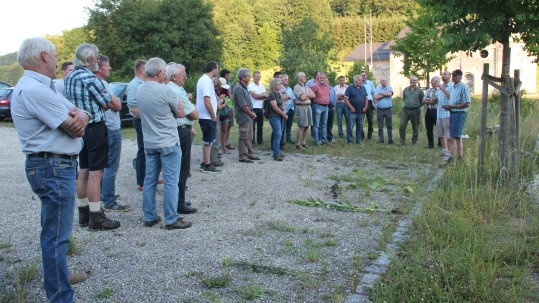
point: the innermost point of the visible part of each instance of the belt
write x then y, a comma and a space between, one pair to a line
412, 108
457, 111
303, 104
185, 126
385, 108
51, 155
321, 104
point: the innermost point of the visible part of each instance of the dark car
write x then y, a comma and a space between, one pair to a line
120, 90
5, 103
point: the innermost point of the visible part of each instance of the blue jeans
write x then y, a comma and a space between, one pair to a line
108, 182
276, 123
340, 109
53, 181
167, 158
320, 119
141, 158
357, 120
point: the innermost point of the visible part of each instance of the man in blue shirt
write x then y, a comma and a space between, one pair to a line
369, 87
383, 96
356, 102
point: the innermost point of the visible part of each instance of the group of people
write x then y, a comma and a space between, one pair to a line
74, 123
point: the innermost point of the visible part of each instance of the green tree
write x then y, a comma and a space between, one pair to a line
356, 70
364, 7
419, 48
66, 44
174, 30
11, 73
473, 24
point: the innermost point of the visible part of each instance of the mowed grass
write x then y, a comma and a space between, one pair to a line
473, 242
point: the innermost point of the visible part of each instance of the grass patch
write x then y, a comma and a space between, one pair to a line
216, 282
6, 245
251, 292
257, 268
106, 293
73, 249
340, 206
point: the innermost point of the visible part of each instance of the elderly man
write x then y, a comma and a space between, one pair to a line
50, 130
356, 102
383, 96
339, 106
114, 131
159, 108
411, 111
132, 103
443, 121
207, 109
86, 91
258, 95
177, 76
431, 100
67, 67
459, 101
369, 87
320, 110
304, 116
244, 117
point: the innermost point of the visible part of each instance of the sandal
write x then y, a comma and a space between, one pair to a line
305, 146
228, 146
300, 147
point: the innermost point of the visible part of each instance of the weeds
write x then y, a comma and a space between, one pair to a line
106, 293
251, 292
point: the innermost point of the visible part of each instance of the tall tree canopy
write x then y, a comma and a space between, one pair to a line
174, 30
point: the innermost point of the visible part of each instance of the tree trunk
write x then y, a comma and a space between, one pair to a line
503, 135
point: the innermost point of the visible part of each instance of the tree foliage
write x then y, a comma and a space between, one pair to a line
356, 70
66, 44
174, 30
422, 54
364, 7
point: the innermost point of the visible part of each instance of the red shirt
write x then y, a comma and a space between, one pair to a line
321, 92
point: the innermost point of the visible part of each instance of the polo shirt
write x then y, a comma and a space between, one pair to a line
356, 97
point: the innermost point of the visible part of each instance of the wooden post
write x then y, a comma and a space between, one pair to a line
511, 131
483, 128
517, 125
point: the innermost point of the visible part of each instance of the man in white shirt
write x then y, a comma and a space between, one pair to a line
258, 95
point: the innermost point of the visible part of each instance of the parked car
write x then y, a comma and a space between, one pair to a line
120, 90
5, 102
5, 84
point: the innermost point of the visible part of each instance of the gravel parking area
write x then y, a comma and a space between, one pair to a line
247, 242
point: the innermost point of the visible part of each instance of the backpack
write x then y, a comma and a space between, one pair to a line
266, 108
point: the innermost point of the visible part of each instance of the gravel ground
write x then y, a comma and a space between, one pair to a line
265, 249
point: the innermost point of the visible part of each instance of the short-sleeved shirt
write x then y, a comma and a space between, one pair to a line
459, 94
321, 92
132, 92
273, 96
387, 101
188, 107
443, 100
205, 88
356, 97
431, 93
112, 118
258, 89
157, 104
300, 90
242, 98
369, 87
412, 99
86, 91
290, 104
340, 90
37, 112
60, 86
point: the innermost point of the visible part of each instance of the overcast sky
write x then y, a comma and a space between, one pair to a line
23, 19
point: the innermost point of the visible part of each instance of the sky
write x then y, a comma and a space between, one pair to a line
23, 19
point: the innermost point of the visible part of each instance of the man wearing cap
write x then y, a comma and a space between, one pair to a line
459, 101
411, 111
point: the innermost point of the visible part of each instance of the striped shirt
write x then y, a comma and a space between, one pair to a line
459, 94
86, 91
188, 106
443, 100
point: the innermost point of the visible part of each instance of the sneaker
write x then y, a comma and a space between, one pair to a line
218, 163
210, 169
84, 216
179, 224
230, 147
77, 277
151, 223
117, 207
252, 157
246, 161
390, 142
99, 221
201, 167
278, 158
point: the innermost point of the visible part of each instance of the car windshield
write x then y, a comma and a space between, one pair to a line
5, 92
117, 88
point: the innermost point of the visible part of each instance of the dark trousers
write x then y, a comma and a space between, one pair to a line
331, 115
369, 114
385, 115
430, 125
258, 125
141, 157
185, 144
288, 125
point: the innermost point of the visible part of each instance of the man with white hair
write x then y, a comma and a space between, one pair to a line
50, 130
431, 100
412, 96
86, 91
159, 107
383, 96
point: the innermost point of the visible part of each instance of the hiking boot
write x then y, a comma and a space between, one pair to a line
84, 216
210, 169
179, 224
252, 157
77, 277
278, 158
99, 221
151, 223
117, 207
